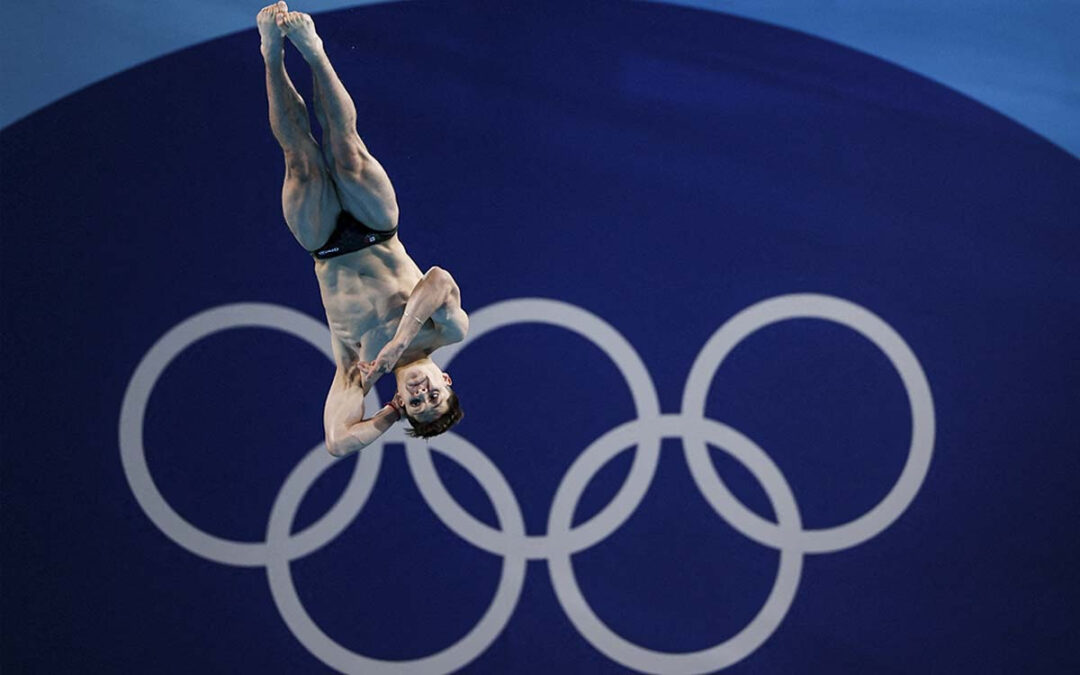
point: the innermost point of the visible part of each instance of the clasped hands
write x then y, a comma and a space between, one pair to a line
366, 373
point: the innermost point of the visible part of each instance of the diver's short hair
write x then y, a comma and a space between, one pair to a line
441, 423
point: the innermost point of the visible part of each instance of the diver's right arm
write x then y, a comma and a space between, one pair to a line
344, 438
343, 418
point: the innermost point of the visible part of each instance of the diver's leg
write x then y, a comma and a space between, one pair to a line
308, 197
327, 133
363, 186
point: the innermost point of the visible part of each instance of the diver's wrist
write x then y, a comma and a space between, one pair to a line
398, 412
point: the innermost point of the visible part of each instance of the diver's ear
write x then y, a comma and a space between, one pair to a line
446, 378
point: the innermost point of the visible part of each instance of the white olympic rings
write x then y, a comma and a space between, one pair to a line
562, 539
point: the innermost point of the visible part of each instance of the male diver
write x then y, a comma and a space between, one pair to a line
384, 314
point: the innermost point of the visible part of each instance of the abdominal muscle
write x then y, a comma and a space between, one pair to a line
364, 294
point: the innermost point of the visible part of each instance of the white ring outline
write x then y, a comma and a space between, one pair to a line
902, 358
646, 403
133, 453
764, 623
457, 655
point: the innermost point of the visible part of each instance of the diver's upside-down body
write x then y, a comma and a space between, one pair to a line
384, 314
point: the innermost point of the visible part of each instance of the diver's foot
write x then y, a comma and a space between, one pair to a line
300, 30
266, 20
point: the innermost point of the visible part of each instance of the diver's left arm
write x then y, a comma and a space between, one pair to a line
436, 297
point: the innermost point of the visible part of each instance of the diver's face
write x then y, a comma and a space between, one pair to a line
424, 391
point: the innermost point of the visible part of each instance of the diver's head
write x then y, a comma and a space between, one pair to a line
424, 392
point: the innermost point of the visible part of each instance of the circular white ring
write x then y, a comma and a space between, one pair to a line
133, 454
870, 326
456, 656
646, 403
768, 618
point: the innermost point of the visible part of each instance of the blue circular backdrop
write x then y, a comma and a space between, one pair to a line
662, 168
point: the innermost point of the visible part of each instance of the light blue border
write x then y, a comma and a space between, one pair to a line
1019, 57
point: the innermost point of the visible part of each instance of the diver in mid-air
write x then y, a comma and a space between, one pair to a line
384, 314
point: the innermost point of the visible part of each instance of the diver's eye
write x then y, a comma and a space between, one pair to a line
434, 396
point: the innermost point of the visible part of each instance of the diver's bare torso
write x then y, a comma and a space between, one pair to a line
364, 294
367, 295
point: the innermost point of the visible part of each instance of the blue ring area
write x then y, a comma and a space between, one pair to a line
662, 168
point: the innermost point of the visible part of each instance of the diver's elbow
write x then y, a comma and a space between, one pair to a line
335, 449
339, 447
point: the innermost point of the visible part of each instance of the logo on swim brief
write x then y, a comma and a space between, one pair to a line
562, 540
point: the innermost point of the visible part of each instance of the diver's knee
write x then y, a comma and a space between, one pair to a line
349, 157
300, 169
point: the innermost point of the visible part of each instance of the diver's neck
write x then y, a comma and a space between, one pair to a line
412, 357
